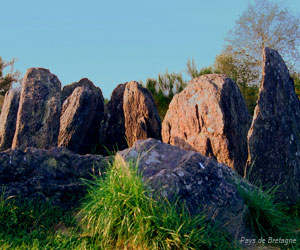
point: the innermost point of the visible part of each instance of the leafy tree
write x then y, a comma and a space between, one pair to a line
7, 80
240, 70
265, 24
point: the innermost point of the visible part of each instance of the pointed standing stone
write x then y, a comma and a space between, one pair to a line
274, 136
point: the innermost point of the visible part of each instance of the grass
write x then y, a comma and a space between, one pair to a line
268, 218
117, 213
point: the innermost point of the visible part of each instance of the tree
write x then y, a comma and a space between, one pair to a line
9, 78
241, 71
265, 24
164, 88
193, 72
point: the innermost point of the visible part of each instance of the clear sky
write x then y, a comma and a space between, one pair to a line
111, 42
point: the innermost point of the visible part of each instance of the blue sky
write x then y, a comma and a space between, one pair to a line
111, 42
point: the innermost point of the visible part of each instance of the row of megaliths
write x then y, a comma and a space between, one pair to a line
41, 115
210, 116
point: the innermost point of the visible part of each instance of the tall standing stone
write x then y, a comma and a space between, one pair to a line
274, 137
8, 118
80, 120
39, 110
140, 114
210, 116
113, 127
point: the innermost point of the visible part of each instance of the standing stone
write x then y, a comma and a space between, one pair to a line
84, 82
274, 136
80, 120
8, 118
113, 127
39, 110
140, 113
210, 116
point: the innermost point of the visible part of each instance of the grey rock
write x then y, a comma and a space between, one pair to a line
204, 184
80, 120
8, 118
274, 136
51, 175
112, 131
39, 110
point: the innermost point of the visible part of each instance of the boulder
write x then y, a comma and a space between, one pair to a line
274, 141
201, 182
80, 120
52, 175
39, 110
8, 118
112, 130
210, 116
140, 113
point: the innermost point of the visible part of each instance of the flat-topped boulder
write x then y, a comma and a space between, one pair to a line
210, 116
274, 141
201, 182
80, 120
53, 175
39, 110
8, 118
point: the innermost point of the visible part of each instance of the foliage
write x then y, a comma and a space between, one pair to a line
193, 72
265, 24
7, 80
164, 88
296, 78
268, 218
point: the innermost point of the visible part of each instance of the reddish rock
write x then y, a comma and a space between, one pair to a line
140, 114
80, 120
274, 142
210, 116
8, 118
39, 110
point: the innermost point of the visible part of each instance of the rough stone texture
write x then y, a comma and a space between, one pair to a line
8, 118
112, 129
84, 82
210, 116
274, 137
39, 110
52, 175
140, 113
80, 120
204, 184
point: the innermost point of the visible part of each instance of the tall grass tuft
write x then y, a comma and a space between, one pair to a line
121, 213
268, 218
